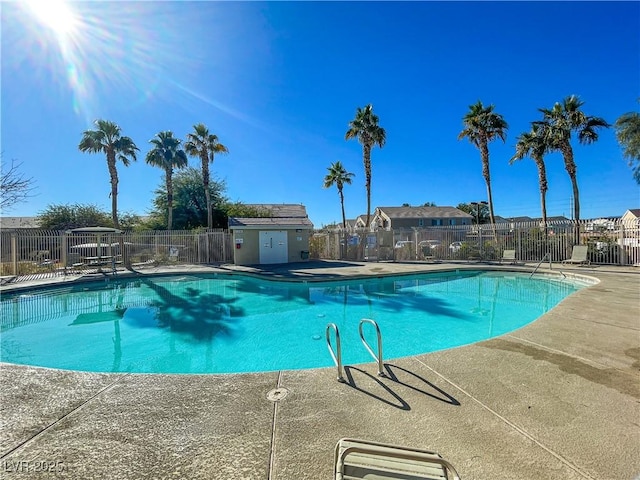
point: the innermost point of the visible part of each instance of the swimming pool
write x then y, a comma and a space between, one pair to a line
235, 323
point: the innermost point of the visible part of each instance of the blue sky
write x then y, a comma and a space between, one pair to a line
279, 82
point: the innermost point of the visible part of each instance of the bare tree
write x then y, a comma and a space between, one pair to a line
14, 186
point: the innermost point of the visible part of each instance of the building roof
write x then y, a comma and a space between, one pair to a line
10, 223
522, 219
270, 222
635, 212
282, 215
281, 210
423, 212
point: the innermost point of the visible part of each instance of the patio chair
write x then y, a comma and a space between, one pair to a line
7, 279
509, 255
578, 256
359, 459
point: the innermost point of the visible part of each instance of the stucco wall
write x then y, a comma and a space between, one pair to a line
249, 251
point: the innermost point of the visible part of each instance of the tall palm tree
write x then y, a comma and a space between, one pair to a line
481, 126
167, 154
365, 128
557, 125
628, 135
204, 145
339, 177
532, 144
107, 139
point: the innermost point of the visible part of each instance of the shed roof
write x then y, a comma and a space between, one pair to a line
282, 215
297, 222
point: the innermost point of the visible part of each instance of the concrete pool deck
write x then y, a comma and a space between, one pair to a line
557, 399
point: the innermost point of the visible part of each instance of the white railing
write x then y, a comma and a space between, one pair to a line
610, 243
25, 253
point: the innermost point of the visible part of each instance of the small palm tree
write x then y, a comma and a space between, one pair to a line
107, 139
628, 135
532, 144
167, 154
481, 126
204, 145
365, 128
339, 177
557, 125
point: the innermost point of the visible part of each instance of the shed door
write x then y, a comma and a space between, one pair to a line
273, 247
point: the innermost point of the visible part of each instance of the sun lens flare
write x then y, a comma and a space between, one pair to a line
54, 14
103, 55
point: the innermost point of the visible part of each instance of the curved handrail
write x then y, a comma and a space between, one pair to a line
378, 358
337, 358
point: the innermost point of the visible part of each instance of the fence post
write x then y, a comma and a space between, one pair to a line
14, 253
63, 257
622, 257
208, 247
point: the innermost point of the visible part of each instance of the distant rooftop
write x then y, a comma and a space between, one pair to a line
10, 223
423, 212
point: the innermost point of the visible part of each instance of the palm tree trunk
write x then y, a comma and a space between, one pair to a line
543, 204
542, 182
207, 194
484, 153
344, 218
113, 173
570, 166
366, 150
344, 248
168, 174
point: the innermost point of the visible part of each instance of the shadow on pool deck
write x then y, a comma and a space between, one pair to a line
555, 399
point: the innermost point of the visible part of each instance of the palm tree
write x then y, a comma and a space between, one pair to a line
365, 128
481, 126
339, 176
167, 154
108, 140
204, 145
557, 125
628, 135
532, 144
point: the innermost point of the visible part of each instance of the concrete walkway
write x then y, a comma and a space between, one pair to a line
557, 399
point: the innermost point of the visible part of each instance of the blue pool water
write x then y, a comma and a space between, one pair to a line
225, 324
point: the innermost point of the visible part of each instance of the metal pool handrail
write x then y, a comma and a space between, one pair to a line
540, 263
337, 357
378, 358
